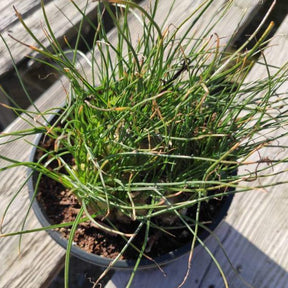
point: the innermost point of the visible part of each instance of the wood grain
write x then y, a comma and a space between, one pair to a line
40, 257
254, 234
8, 16
33, 17
256, 247
10, 25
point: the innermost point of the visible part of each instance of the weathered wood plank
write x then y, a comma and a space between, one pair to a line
254, 234
38, 252
43, 255
60, 24
9, 24
8, 14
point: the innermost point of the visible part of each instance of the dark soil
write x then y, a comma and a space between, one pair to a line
60, 206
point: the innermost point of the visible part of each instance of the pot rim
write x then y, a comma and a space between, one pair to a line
103, 261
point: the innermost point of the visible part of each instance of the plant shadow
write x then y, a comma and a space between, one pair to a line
251, 267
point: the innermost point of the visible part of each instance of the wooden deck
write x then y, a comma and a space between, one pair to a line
33, 75
254, 234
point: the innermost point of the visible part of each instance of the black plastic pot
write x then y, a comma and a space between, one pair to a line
121, 264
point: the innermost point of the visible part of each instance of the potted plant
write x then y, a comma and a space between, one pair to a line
148, 146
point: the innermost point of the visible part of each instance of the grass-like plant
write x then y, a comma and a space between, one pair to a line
161, 124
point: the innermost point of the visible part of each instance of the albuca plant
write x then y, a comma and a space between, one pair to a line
157, 130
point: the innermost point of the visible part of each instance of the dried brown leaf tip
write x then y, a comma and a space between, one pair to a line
27, 45
18, 15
